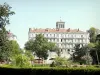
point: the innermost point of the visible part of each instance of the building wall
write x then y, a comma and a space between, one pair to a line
64, 41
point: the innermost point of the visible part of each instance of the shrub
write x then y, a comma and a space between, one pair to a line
49, 71
60, 61
21, 61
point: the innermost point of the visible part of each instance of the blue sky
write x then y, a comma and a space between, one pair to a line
81, 14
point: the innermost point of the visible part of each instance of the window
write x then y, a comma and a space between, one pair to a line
54, 40
61, 50
54, 35
57, 35
47, 35
81, 36
61, 40
57, 40
71, 36
50, 34
63, 25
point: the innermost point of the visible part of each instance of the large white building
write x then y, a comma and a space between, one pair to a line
64, 38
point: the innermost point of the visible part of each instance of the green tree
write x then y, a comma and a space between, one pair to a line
51, 46
30, 55
80, 54
93, 33
14, 48
41, 46
21, 60
95, 51
29, 45
5, 12
57, 50
98, 38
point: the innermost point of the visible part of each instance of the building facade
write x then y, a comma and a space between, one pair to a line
64, 38
11, 36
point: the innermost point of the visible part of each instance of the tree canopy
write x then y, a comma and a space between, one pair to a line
5, 49
40, 46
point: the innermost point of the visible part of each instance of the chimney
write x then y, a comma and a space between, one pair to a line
46, 29
78, 29
68, 30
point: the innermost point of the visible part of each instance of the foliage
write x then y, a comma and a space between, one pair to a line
29, 54
57, 50
94, 52
92, 32
50, 71
5, 12
40, 46
51, 46
29, 45
60, 61
21, 60
14, 47
81, 54
91, 45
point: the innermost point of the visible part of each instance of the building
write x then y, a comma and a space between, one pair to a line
64, 38
11, 36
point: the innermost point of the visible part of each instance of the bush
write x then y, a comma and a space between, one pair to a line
21, 61
52, 64
49, 71
60, 61
41, 65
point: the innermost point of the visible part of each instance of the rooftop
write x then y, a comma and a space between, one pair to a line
40, 30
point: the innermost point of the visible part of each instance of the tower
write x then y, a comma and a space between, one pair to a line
60, 24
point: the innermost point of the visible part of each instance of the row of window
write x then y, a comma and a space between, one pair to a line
60, 26
68, 40
68, 45
62, 35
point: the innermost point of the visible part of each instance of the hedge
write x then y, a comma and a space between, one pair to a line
49, 71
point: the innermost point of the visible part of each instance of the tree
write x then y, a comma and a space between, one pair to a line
80, 54
21, 60
51, 46
93, 33
57, 50
98, 38
14, 48
41, 46
29, 45
30, 55
5, 12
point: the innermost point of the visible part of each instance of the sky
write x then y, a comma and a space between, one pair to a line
81, 14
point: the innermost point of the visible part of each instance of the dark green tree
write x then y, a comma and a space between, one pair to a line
93, 33
5, 12
79, 54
